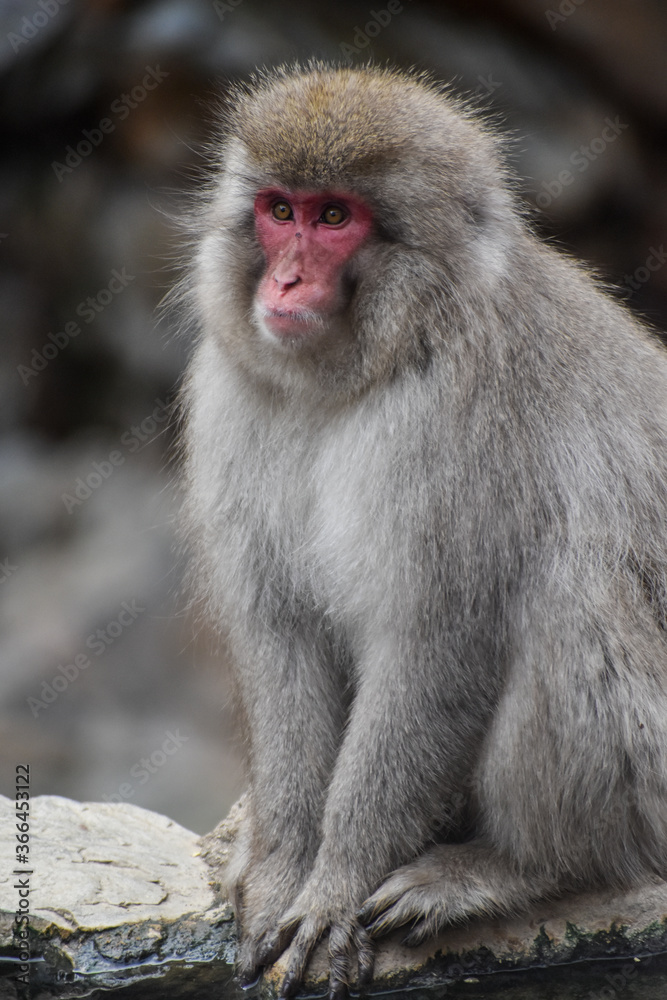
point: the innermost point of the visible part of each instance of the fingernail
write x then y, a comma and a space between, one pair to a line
289, 987
247, 982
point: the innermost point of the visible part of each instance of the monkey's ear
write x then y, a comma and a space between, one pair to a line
492, 203
236, 182
495, 223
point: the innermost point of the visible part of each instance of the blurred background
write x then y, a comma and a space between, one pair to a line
108, 690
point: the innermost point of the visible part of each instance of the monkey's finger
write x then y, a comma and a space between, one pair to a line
340, 945
382, 925
248, 965
419, 932
402, 912
365, 956
274, 942
380, 920
386, 896
247, 980
307, 936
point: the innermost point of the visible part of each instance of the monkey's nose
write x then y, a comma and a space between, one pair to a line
285, 284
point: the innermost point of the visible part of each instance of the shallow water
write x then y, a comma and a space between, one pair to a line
639, 979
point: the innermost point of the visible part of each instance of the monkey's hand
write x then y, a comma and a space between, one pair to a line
318, 909
264, 890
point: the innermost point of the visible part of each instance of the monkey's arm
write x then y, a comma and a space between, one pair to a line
386, 800
294, 719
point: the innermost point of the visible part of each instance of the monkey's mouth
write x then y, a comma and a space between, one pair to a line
290, 324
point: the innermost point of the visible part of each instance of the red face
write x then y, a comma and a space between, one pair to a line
307, 240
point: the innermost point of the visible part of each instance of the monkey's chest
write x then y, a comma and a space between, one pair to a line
334, 513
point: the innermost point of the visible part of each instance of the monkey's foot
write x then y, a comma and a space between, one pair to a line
447, 884
349, 946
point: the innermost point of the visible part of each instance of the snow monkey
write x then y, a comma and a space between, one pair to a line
426, 493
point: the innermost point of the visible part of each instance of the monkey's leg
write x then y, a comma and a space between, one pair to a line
449, 882
572, 782
382, 806
294, 713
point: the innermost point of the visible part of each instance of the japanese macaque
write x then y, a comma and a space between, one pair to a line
426, 475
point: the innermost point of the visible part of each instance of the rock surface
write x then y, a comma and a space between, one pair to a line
110, 885
113, 885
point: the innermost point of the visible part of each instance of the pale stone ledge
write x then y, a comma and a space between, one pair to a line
114, 885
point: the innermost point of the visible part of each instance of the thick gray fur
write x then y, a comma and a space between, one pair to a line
436, 547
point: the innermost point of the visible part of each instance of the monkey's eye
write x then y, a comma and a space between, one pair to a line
282, 211
333, 215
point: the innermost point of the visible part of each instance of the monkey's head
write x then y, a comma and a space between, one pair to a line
342, 199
